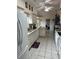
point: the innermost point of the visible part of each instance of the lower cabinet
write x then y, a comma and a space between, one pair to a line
58, 42
42, 31
33, 37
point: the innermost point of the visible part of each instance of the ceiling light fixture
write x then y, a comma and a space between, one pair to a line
48, 8
47, 1
37, 17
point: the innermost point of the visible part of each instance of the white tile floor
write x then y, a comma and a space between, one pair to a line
46, 49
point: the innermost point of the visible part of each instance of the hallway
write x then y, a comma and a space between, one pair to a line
46, 49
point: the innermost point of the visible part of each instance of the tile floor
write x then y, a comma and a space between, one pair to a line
46, 49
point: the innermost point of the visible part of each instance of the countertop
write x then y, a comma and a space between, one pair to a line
58, 29
33, 30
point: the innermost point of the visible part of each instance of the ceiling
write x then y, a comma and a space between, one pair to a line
41, 5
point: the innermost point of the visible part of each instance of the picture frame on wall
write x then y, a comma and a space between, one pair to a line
29, 7
26, 4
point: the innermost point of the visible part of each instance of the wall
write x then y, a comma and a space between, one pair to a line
34, 19
51, 25
43, 23
21, 3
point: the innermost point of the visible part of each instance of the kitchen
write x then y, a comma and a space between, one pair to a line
34, 29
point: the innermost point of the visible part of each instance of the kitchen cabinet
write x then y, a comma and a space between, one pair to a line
42, 31
33, 36
58, 42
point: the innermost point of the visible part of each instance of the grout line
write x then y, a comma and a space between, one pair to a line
46, 46
39, 51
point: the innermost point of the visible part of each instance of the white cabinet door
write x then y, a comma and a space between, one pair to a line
42, 32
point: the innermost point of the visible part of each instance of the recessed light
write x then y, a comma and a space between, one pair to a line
47, 1
46, 10
37, 17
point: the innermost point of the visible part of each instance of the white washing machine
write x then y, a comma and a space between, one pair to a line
22, 39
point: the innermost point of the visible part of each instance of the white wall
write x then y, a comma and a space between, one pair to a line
51, 25
43, 23
21, 3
